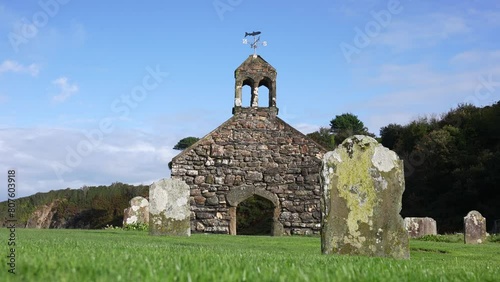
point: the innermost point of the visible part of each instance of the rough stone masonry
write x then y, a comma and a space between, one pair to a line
253, 153
169, 208
362, 186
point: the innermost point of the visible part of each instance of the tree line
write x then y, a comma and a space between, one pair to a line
88, 207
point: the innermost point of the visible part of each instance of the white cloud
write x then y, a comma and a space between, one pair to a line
412, 90
487, 17
125, 156
306, 128
430, 90
66, 89
407, 75
374, 122
477, 57
428, 31
13, 66
134, 148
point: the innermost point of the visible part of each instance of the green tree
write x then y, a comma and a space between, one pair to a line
185, 143
346, 125
324, 138
390, 134
451, 164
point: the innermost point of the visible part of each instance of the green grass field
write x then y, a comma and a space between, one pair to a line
117, 255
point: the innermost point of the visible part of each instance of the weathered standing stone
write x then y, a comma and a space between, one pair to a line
420, 226
496, 227
474, 228
137, 213
362, 187
169, 212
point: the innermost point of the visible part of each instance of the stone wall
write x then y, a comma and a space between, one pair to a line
252, 153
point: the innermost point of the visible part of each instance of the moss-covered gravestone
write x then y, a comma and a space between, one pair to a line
169, 208
137, 213
420, 226
362, 187
474, 228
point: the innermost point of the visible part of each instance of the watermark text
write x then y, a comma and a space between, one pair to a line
11, 220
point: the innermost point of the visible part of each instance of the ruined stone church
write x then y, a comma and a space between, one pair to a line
254, 154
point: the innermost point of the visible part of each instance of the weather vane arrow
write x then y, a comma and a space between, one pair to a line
256, 41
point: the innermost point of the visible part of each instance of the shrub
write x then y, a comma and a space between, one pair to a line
494, 238
136, 227
447, 238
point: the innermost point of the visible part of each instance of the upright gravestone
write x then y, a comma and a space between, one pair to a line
420, 226
496, 227
169, 208
137, 213
474, 228
362, 187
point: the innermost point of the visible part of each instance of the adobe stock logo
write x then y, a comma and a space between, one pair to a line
484, 90
223, 6
30, 28
363, 37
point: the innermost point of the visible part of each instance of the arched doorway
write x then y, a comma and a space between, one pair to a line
238, 195
254, 216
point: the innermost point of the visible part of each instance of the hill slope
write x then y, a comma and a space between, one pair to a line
88, 207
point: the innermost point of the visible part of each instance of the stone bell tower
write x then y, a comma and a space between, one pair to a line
253, 158
255, 72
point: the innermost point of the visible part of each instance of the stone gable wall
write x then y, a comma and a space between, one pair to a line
254, 152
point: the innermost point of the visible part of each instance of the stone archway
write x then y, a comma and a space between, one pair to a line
240, 194
254, 216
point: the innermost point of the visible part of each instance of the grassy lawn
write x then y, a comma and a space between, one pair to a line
116, 255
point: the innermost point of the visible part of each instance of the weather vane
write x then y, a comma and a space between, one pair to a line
256, 41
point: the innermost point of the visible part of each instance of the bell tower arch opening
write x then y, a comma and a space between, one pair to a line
255, 72
247, 89
266, 88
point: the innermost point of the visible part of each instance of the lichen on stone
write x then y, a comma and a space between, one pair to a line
360, 180
169, 208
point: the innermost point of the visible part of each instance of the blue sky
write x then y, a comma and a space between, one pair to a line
93, 92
